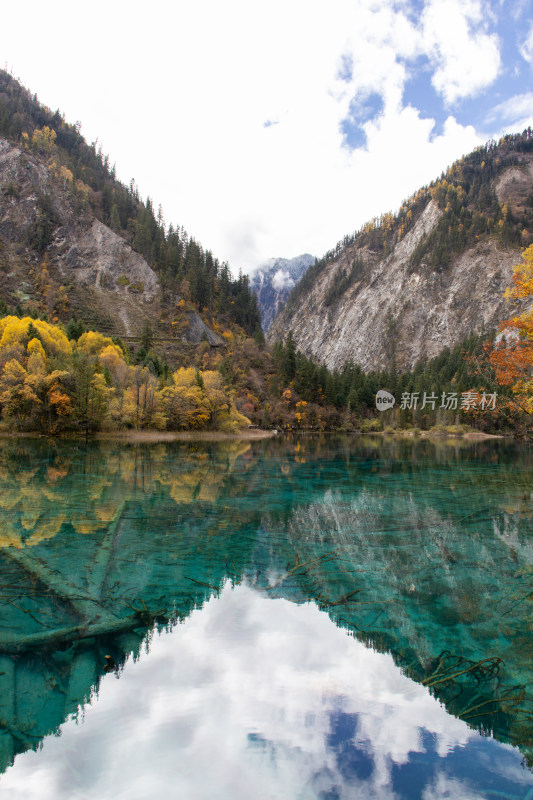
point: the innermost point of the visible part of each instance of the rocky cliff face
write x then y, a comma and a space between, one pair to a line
93, 272
393, 311
274, 281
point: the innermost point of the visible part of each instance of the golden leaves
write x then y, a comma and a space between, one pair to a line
512, 357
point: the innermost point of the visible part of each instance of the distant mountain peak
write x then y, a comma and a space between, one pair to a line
273, 282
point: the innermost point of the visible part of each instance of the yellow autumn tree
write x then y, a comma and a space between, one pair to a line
57, 395
20, 331
93, 342
199, 400
44, 139
142, 402
17, 395
121, 374
512, 356
50, 383
184, 403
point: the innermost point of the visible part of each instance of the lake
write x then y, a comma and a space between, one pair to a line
301, 617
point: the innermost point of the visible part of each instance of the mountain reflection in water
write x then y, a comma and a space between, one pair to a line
261, 698
280, 561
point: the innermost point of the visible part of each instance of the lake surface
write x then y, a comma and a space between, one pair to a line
314, 617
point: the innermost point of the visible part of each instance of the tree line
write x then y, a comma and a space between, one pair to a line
462, 370
185, 269
55, 379
471, 210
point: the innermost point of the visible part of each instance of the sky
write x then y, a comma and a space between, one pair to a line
274, 129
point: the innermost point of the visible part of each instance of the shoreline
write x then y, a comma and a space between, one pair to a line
472, 435
256, 434
182, 436
406, 434
146, 436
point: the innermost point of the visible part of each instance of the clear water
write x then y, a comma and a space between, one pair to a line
298, 618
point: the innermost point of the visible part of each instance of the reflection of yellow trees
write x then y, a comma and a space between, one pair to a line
31, 508
194, 479
200, 484
201, 480
36, 502
46, 528
299, 453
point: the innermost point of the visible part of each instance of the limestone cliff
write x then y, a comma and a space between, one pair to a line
46, 222
376, 307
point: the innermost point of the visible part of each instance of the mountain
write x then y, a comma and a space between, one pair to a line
75, 242
83, 268
407, 285
273, 281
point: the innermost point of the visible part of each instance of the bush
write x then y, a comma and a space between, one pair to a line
370, 425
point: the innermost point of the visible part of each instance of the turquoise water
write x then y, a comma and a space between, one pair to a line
295, 618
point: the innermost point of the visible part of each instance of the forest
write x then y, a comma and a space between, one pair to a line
58, 376
471, 210
185, 269
52, 383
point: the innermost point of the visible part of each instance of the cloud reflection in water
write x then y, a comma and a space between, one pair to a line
258, 698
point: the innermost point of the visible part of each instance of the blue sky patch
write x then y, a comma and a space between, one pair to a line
361, 110
345, 72
420, 94
516, 78
481, 111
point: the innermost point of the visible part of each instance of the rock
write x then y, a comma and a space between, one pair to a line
109, 286
394, 313
100, 258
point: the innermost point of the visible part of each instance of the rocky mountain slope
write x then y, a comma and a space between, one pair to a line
55, 253
274, 281
409, 285
74, 240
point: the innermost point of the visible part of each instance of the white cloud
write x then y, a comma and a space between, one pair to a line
180, 96
219, 709
282, 280
446, 788
514, 114
526, 49
466, 58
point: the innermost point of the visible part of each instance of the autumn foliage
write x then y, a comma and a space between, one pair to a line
50, 383
512, 355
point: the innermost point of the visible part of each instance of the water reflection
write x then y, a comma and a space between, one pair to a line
422, 551
262, 698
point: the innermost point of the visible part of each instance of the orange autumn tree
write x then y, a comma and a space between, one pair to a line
512, 355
